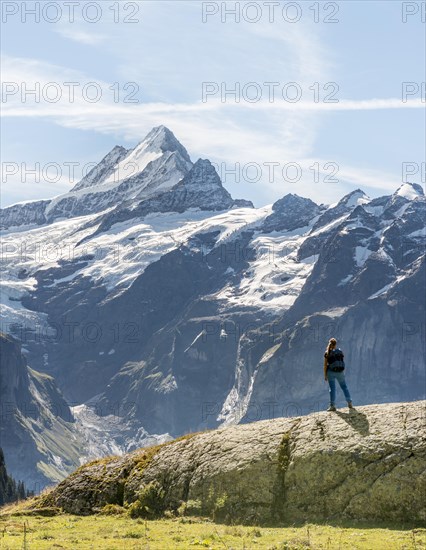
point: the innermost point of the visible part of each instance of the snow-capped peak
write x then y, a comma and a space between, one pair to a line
355, 198
161, 139
155, 165
121, 164
409, 191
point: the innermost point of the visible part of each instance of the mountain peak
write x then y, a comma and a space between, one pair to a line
361, 214
159, 150
409, 190
203, 170
290, 212
354, 198
204, 177
292, 199
161, 140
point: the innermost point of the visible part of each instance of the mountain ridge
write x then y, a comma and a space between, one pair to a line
123, 178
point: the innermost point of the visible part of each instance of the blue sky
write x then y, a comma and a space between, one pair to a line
169, 52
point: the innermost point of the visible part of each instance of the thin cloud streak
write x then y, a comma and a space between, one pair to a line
104, 108
81, 36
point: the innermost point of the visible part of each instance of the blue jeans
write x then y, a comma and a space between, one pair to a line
340, 377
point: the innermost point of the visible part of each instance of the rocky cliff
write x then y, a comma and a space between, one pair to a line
36, 425
367, 464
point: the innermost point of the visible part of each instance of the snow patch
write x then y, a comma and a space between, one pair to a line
199, 336
357, 199
345, 280
274, 278
335, 312
269, 354
408, 192
362, 253
383, 290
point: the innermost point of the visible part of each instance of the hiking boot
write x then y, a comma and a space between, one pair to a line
331, 408
350, 405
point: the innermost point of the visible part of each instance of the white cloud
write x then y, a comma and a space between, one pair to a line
81, 36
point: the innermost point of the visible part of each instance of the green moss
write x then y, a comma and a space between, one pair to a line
112, 510
98, 461
142, 461
216, 503
279, 499
192, 507
45, 500
104, 479
284, 454
47, 511
150, 502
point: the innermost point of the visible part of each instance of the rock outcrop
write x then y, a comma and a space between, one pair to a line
364, 464
291, 212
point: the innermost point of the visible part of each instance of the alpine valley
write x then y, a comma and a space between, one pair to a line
147, 303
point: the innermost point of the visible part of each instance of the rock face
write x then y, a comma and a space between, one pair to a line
36, 428
291, 212
201, 188
366, 464
99, 173
21, 214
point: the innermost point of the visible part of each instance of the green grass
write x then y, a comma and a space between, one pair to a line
118, 532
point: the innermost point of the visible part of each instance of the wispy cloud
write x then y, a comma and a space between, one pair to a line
214, 129
81, 36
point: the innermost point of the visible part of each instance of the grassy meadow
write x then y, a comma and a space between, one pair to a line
23, 530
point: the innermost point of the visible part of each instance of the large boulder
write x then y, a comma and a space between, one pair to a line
366, 464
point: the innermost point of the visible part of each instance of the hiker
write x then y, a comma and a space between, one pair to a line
333, 370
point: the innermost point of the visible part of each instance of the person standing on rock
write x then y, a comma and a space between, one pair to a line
334, 367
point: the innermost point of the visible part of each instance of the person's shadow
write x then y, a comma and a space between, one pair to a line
357, 420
